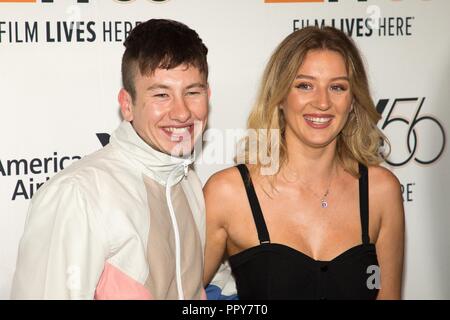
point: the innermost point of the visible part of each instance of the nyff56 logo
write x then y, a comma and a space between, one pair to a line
415, 136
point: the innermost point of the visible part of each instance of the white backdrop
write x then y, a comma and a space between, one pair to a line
58, 90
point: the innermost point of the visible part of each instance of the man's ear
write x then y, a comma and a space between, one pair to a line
126, 105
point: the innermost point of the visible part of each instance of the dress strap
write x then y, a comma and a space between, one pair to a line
258, 216
364, 202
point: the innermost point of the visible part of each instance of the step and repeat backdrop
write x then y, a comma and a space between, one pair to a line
60, 75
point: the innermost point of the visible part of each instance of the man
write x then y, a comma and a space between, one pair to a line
127, 222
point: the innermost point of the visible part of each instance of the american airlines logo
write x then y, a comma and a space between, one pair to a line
31, 173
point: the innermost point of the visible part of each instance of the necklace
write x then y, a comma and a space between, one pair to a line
323, 201
323, 198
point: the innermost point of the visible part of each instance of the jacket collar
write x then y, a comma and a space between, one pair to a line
161, 167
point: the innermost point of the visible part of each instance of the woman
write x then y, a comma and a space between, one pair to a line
329, 223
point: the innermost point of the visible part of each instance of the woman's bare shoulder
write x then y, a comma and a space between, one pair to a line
224, 196
385, 192
383, 181
225, 181
225, 189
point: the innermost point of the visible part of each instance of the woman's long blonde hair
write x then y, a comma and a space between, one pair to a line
359, 140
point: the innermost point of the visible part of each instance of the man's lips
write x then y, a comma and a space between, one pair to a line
178, 133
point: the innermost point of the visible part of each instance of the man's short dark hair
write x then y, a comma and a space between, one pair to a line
161, 43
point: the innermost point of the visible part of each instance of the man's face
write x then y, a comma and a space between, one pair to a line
170, 108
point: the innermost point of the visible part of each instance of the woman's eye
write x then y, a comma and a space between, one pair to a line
338, 88
304, 86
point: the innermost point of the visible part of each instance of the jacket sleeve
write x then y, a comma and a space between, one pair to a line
63, 249
223, 285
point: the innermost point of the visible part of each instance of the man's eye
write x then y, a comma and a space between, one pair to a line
161, 95
193, 93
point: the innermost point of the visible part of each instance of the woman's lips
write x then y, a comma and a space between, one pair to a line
318, 121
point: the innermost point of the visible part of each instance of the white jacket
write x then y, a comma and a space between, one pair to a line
87, 229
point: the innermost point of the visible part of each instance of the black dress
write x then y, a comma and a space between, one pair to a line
277, 271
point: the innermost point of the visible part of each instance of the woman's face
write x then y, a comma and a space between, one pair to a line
319, 100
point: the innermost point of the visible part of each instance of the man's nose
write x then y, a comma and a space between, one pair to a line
180, 110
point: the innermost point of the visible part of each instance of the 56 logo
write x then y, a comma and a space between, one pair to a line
419, 137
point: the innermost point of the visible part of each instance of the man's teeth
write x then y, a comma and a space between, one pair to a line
318, 120
177, 130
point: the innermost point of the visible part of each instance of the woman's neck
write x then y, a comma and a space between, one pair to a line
311, 163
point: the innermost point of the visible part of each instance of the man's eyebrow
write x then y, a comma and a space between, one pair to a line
163, 86
157, 86
197, 85
304, 76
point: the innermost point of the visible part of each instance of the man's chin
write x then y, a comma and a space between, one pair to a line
180, 150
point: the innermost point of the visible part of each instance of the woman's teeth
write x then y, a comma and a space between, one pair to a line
318, 120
